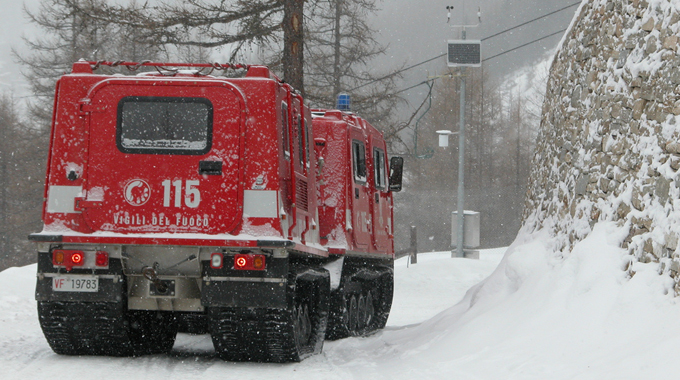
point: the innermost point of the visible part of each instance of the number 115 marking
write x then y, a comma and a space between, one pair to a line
192, 196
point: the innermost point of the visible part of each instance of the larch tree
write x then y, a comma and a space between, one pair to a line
335, 35
341, 49
213, 24
22, 168
67, 35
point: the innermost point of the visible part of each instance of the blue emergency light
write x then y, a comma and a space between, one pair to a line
344, 102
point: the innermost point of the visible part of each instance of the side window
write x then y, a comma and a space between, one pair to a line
379, 164
284, 130
359, 161
298, 123
306, 131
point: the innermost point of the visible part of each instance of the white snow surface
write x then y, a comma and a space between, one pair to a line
530, 313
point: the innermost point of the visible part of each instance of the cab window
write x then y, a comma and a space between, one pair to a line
359, 161
379, 164
284, 130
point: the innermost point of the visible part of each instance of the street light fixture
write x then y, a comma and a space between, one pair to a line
444, 137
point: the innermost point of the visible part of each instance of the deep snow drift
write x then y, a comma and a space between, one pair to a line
539, 315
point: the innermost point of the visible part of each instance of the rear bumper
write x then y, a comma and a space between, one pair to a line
178, 240
209, 287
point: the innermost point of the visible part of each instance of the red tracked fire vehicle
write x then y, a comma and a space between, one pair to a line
179, 200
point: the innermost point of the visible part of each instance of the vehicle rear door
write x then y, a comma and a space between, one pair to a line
165, 155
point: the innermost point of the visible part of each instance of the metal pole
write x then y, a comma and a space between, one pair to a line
414, 245
461, 171
461, 165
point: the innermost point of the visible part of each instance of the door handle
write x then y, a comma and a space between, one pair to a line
210, 167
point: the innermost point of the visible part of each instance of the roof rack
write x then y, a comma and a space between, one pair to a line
83, 66
135, 65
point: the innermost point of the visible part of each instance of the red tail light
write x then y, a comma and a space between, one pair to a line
249, 262
68, 258
102, 259
77, 258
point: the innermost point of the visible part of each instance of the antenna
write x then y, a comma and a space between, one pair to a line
463, 26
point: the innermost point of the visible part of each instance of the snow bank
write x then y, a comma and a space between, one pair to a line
542, 315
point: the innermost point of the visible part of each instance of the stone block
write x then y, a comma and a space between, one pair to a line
651, 47
673, 147
671, 241
623, 210
671, 42
675, 162
662, 189
613, 186
636, 200
639, 108
648, 25
637, 82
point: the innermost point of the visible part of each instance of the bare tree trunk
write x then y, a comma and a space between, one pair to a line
518, 159
293, 37
337, 75
5, 125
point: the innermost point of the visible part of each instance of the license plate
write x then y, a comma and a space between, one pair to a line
75, 284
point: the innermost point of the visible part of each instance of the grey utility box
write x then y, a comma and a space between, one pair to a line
470, 228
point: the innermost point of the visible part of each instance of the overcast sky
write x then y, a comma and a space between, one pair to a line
414, 29
12, 25
417, 30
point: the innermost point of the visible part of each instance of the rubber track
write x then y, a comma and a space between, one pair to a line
102, 328
384, 285
84, 329
265, 335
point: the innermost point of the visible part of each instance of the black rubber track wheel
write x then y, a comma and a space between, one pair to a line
370, 312
104, 328
276, 335
361, 313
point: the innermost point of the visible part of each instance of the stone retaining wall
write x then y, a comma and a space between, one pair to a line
609, 143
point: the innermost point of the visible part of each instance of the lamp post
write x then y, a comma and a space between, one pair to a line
462, 53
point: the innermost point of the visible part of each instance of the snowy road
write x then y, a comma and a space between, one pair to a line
421, 291
540, 314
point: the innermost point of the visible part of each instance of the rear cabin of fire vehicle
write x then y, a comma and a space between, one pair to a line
177, 201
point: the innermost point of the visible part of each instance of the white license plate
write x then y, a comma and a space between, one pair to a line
75, 284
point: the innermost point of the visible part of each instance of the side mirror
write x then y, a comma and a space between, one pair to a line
396, 172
